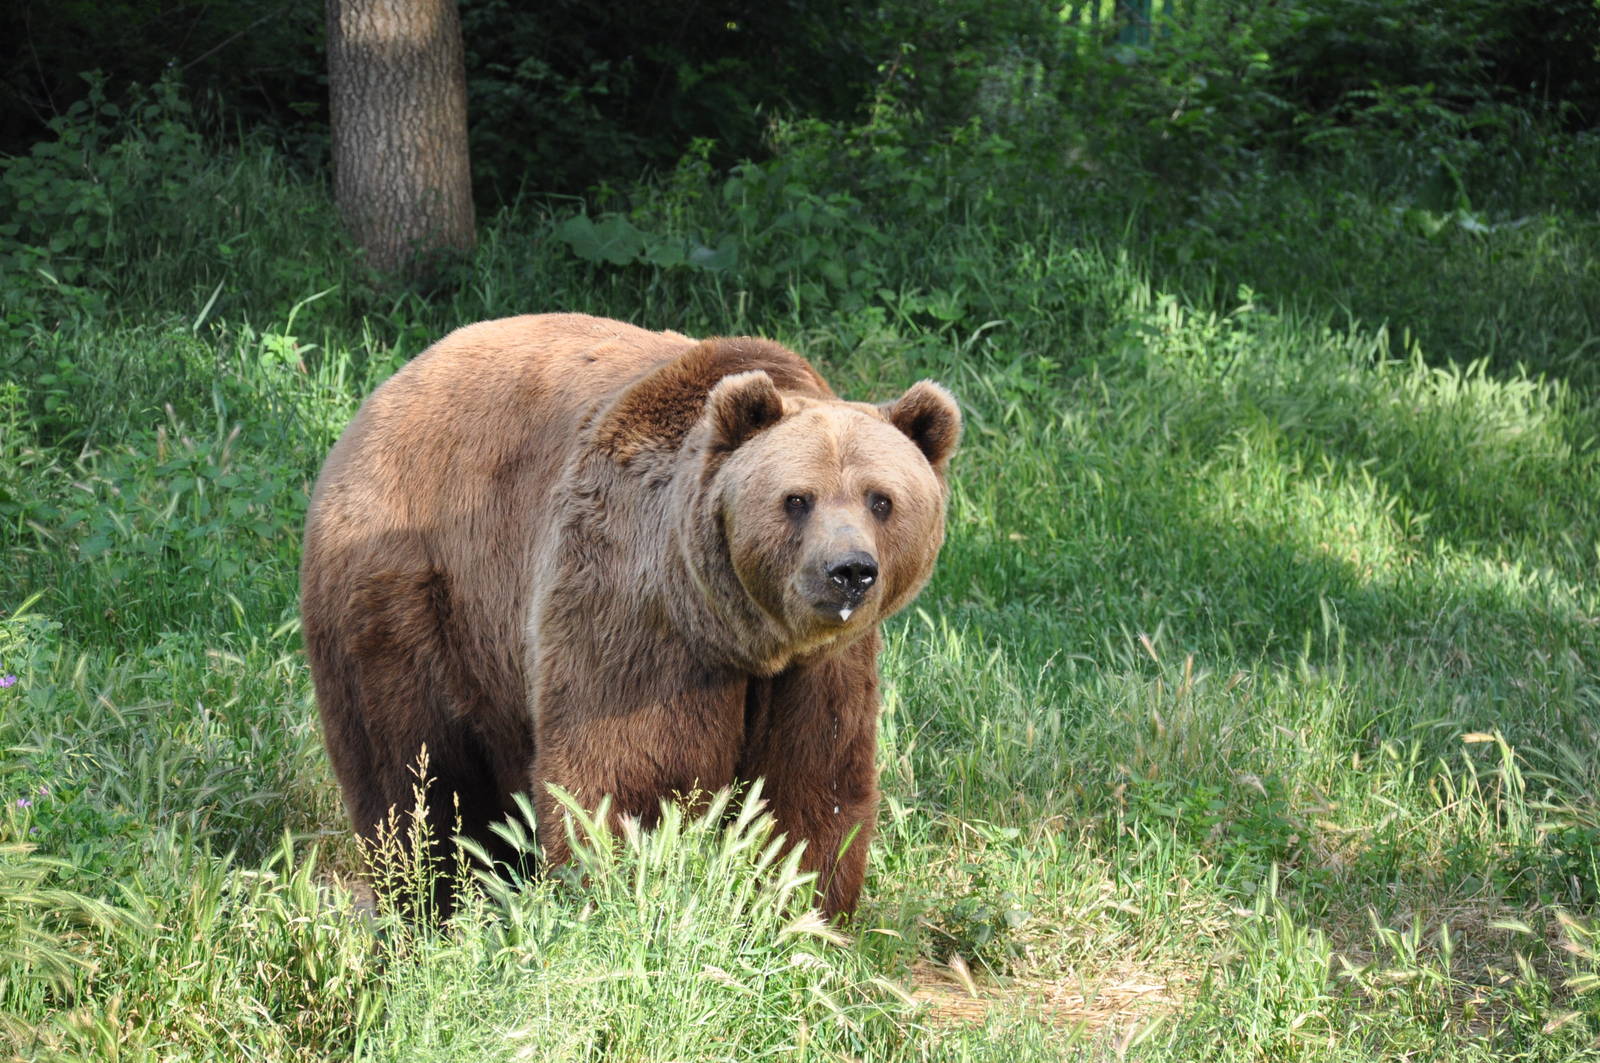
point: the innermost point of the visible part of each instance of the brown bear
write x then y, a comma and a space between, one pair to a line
561, 549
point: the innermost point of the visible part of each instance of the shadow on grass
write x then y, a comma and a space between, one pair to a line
1512, 290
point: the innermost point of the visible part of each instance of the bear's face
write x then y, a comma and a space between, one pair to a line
832, 512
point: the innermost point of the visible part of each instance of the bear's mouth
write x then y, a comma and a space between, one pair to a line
836, 611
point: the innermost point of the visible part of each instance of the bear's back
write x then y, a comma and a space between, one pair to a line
484, 404
443, 479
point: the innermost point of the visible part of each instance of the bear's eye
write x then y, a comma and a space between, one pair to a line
797, 505
880, 506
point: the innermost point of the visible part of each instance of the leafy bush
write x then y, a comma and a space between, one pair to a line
584, 93
1363, 60
260, 66
110, 180
127, 205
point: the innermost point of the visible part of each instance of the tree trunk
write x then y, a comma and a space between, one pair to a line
397, 89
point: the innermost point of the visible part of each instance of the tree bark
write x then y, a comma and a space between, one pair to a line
397, 89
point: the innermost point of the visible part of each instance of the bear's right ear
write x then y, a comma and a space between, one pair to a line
740, 406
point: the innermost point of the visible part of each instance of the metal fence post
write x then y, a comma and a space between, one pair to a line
1134, 17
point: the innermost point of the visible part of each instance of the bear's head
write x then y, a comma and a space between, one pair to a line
831, 513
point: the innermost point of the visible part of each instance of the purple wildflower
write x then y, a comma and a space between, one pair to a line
7, 681
23, 802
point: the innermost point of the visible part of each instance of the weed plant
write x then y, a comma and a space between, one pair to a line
1252, 713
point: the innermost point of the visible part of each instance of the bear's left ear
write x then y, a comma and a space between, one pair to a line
930, 418
740, 406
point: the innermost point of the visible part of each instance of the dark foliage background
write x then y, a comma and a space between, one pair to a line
561, 96
258, 63
573, 93
779, 144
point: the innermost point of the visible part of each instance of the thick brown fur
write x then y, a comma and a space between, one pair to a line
560, 549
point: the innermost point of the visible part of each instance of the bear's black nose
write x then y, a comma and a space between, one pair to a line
854, 573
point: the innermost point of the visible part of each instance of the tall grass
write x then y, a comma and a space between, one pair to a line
1251, 713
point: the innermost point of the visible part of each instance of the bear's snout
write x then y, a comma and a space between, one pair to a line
842, 583
854, 574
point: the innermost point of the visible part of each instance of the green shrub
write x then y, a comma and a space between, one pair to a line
126, 207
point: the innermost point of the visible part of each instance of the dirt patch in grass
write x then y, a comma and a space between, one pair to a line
1116, 1000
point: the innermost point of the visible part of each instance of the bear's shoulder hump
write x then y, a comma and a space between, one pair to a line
657, 411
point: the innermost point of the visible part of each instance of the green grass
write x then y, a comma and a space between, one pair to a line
1252, 713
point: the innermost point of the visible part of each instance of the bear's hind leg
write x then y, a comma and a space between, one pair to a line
389, 686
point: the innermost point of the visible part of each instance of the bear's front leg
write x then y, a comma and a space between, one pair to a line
644, 729
812, 734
